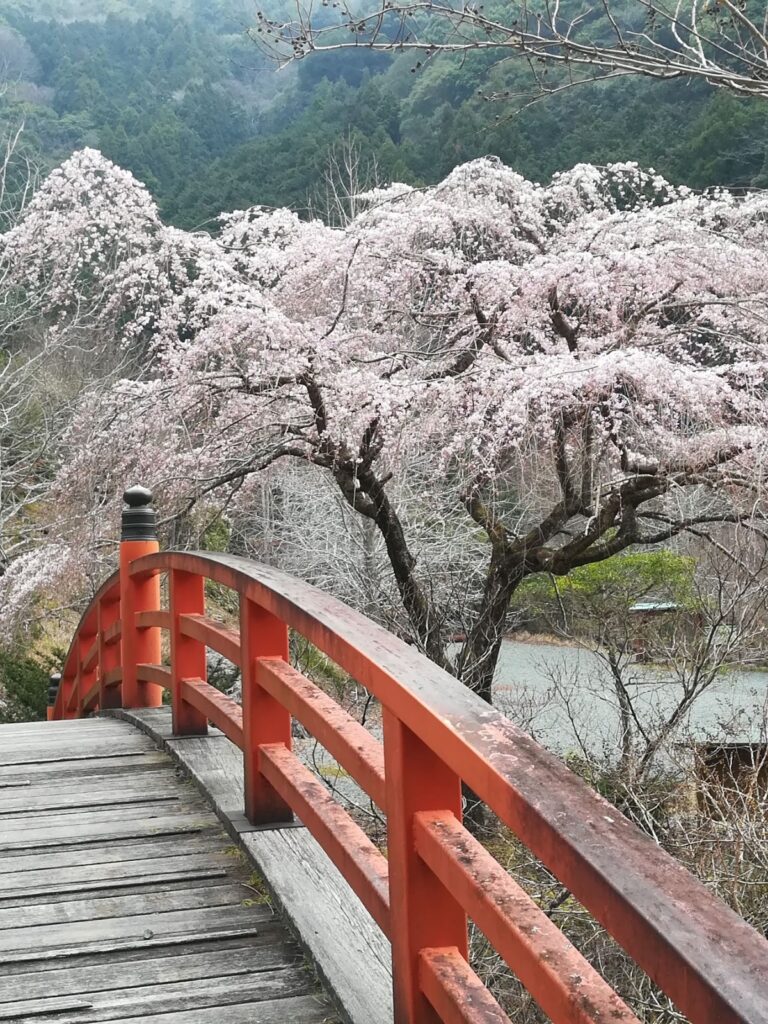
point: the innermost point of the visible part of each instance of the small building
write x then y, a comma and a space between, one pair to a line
646, 612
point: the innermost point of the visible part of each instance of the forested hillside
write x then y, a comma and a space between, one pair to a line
180, 95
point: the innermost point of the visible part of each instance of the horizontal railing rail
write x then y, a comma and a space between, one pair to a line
436, 735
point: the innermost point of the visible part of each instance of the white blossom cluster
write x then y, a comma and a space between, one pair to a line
478, 323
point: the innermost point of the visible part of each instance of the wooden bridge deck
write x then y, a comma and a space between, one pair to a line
121, 898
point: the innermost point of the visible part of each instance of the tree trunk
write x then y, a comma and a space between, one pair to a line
476, 664
626, 767
479, 655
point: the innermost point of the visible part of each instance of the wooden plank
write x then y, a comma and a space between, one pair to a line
26, 1011
108, 888
71, 740
43, 941
267, 985
165, 803
71, 727
78, 822
41, 733
97, 780
40, 799
147, 761
102, 908
98, 831
50, 753
248, 959
146, 868
330, 921
79, 818
123, 851
136, 950
309, 1009
324, 913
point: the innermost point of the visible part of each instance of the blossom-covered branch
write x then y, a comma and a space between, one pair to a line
499, 379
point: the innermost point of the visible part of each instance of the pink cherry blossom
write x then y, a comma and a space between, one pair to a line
571, 369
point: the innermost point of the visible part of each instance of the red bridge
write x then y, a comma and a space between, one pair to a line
434, 875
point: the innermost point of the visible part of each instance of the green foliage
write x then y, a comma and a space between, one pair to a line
159, 89
24, 685
595, 600
216, 536
629, 578
623, 579
319, 668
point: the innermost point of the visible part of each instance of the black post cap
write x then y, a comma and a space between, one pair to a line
53, 688
139, 519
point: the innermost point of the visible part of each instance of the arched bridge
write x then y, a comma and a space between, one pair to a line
123, 901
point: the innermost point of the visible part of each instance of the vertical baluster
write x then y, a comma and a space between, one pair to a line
109, 654
85, 679
265, 720
423, 913
188, 656
138, 646
66, 686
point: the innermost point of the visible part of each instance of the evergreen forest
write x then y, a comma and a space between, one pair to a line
181, 95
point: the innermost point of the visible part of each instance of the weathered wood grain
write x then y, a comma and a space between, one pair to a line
324, 913
108, 852
147, 868
124, 947
76, 727
84, 767
46, 838
42, 734
76, 818
120, 896
26, 1011
102, 907
59, 753
168, 882
31, 798
266, 934
302, 1010
49, 937
214, 963
165, 997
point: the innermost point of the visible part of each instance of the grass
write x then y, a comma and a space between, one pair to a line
261, 897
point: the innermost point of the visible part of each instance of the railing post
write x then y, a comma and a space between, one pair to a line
423, 912
265, 720
53, 690
109, 654
84, 679
188, 656
67, 684
138, 538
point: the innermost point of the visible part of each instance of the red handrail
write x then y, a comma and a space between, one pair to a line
436, 733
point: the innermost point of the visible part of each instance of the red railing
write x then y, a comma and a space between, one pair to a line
436, 733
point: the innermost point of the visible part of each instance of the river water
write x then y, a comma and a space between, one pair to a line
564, 697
